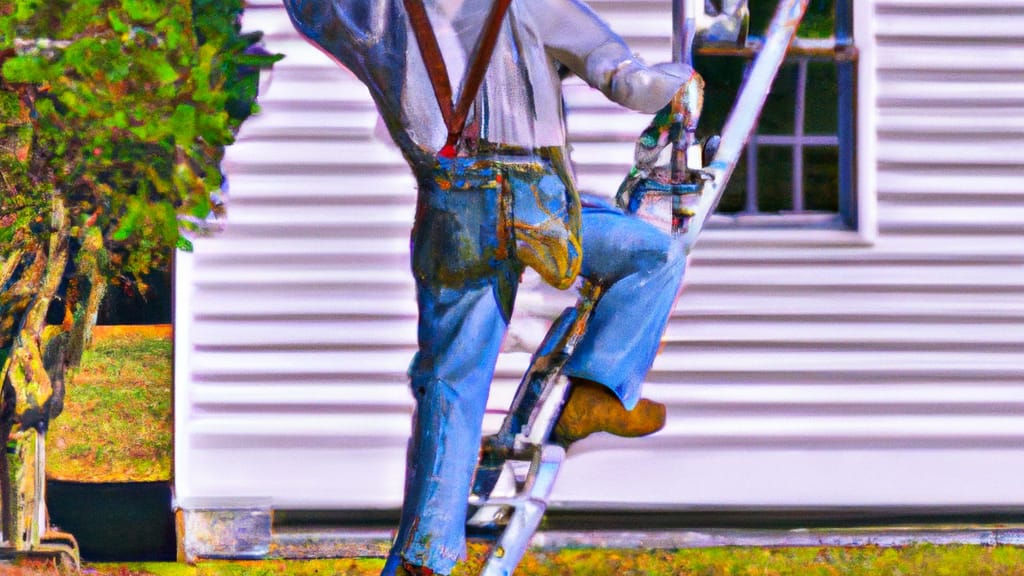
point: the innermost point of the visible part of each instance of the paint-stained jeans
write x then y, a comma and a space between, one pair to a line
467, 263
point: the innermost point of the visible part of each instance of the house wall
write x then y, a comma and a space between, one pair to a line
802, 368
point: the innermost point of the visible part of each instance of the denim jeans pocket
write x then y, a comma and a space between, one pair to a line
473, 214
541, 225
455, 238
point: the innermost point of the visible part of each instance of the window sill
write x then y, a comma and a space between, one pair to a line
806, 230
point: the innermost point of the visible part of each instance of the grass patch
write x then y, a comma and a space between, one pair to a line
117, 423
921, 560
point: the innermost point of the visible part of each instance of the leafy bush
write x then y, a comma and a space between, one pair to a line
123, 109
114, 115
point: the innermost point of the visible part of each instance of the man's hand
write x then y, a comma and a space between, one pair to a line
675, 123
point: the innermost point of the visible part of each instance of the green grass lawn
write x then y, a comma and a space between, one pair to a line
117, 424
922, 560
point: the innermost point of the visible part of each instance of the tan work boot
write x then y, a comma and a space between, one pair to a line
592, 407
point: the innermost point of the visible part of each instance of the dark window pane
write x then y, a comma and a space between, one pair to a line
822, 99
722, 78
817, 22
777, 116
774, 179
821, 178
735, 197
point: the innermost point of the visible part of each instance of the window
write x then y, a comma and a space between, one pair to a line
798, 167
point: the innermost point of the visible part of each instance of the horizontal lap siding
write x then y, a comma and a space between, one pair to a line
800, 370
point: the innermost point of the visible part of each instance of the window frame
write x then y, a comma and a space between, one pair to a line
852, 49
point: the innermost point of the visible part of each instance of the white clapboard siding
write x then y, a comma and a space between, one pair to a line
802, 368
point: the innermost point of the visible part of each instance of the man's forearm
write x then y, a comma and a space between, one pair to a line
576, 36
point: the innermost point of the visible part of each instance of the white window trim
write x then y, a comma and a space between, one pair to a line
866, 119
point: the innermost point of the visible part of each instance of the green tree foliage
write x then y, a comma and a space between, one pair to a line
114, 115
122, 108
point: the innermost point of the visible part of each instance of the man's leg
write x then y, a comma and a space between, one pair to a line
460, 334
641, 269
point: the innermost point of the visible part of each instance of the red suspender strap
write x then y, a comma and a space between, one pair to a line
478, 66
455, 116
432, 58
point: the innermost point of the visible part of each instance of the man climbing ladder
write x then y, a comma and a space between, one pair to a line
497, 196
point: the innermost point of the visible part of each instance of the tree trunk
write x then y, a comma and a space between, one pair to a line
31, 279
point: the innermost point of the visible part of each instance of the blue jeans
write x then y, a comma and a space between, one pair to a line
465, 292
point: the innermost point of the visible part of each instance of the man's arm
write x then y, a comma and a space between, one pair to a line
346, 29
577, 37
